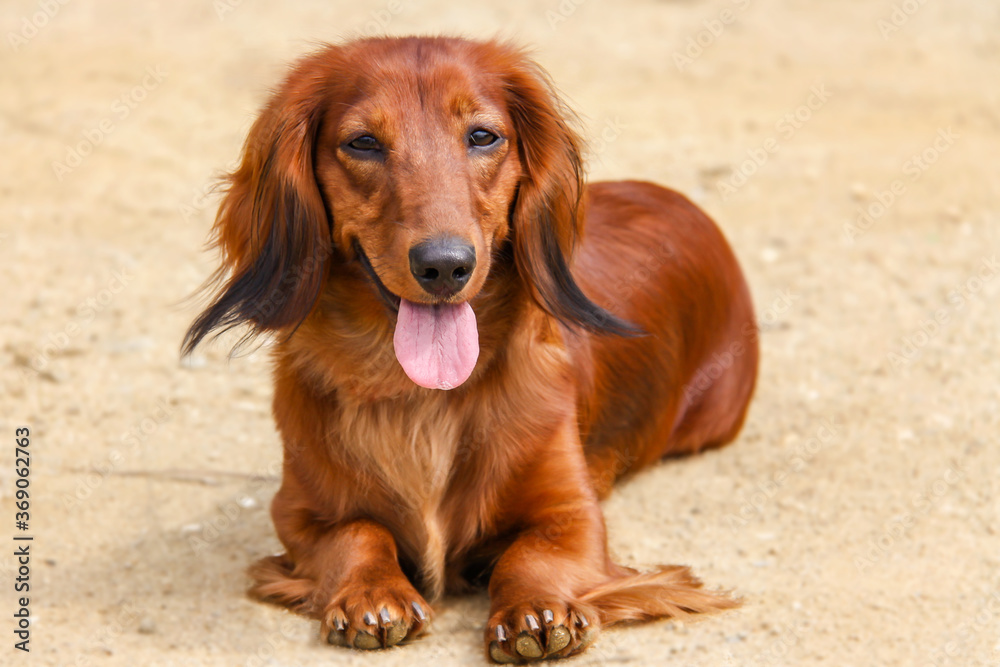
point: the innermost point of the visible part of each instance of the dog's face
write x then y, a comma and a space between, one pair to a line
420, 170
417, 158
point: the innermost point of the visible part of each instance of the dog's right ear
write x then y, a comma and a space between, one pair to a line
273, 228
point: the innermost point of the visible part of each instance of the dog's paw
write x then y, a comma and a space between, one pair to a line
375, 617
540, 630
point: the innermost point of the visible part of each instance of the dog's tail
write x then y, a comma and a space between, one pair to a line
274, 581
671, 591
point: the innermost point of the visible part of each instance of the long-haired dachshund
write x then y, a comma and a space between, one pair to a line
471, 346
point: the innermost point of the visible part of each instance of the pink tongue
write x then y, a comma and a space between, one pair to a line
436, 345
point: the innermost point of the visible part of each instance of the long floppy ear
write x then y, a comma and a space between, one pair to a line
272, 228
548, 215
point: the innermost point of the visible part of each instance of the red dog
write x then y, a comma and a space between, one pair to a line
409, 217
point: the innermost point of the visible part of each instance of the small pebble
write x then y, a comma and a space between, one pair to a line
147, 626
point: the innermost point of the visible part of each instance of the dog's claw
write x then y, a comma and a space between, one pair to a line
375, 620
544, 630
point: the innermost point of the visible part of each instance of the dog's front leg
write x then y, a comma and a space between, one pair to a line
559, 554
346, 574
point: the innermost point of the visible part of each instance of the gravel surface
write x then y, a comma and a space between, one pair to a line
849, 151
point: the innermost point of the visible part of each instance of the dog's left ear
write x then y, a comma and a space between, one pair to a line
548, 216
273, 228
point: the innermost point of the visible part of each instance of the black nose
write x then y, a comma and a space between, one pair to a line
442, 266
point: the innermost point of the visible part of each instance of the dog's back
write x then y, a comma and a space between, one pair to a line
653, 258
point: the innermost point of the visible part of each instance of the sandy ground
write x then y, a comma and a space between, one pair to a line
857, 514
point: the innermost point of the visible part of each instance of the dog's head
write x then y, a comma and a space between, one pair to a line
423, 160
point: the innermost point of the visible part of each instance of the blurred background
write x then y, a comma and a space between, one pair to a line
849, 152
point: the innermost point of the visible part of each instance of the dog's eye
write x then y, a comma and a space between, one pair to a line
365, 143
481, 138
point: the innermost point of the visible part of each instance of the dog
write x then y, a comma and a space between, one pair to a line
470, 346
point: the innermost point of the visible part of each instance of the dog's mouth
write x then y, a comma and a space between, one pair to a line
390, 299
436, 344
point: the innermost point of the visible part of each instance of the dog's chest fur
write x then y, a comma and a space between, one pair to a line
432, 465
406, 449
